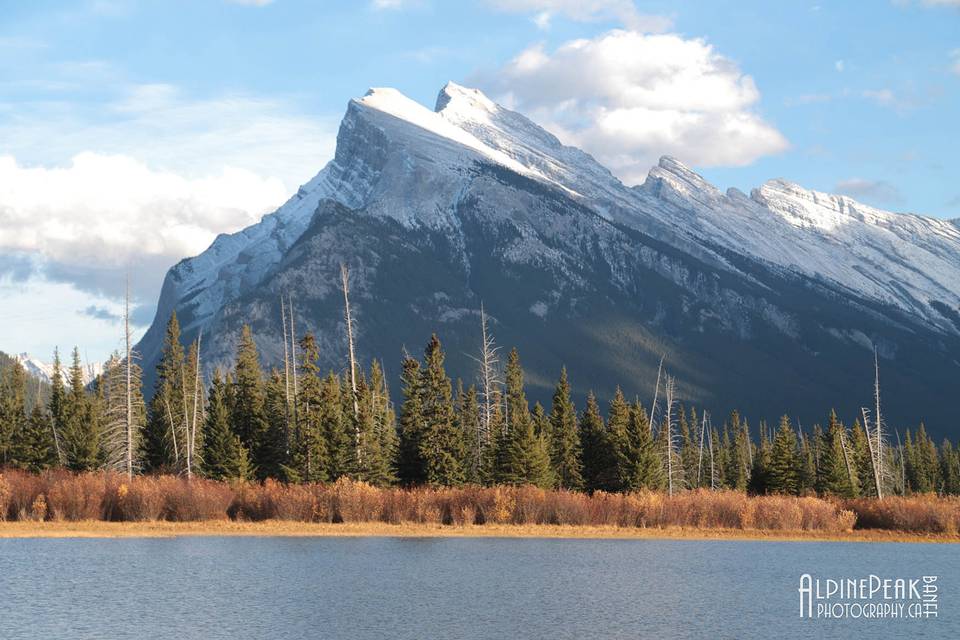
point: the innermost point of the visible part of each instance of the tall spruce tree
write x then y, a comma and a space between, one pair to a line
521, 455
784, 475
247, 413
411, 467
833, 475
565, 451
441, 443
599, 452
56, 405
640, 465
337, 413
224, 457
13, 416
162, 449
34, 445
81, 436
273, 452
310, 455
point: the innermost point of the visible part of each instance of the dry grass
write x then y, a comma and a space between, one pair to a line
922, 513
60, 496
164, 529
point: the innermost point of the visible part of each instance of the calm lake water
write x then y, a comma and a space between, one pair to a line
447, 588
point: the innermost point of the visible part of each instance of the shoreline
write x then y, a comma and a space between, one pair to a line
285, 528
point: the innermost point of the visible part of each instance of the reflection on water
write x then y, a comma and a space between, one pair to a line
446, 588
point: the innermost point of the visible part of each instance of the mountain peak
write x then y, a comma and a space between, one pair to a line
680, 177
457, 97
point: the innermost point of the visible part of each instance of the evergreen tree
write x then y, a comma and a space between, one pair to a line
468, 421
337, 427
35, 446
618, 422
565, 451
441, 443
640, 465
161, 449
599, 454
522, 457
13, 416
248, 416
950, 468
833, 477
807, 473
784, 476
760, 475
411, 466
223, 455
81, 437
737, 459
384, 441
273, 453
57, 403
310, 456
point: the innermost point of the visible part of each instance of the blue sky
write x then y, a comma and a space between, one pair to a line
132, 132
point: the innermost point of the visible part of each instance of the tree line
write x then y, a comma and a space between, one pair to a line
299, 424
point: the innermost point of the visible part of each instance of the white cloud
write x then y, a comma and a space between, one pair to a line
163, 128
883, 97
89, 222
623, 11
393, 4
628, 98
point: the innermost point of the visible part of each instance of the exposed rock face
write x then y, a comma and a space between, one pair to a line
771, 303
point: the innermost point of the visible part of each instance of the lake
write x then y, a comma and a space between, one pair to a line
238, 588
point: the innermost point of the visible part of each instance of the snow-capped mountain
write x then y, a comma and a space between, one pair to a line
771, 302
43, 371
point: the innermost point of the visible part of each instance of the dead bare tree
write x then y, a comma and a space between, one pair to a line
286, 360
123, 405
293, 361
673, 469
875, 437
345, 279
656, 392
846, 456
489, 375
194, 458
713, 472
703, 428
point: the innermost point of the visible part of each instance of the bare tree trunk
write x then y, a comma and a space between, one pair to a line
345, 277
286, 376
293, 362
846, 457
173, 433
129, 382
873, 455
878, 422
713, 473
668, 425
700, 457
196, 400
186, 422
656, 392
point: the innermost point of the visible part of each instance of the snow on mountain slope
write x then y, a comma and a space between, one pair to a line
44, 371
396, 158
909, 261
